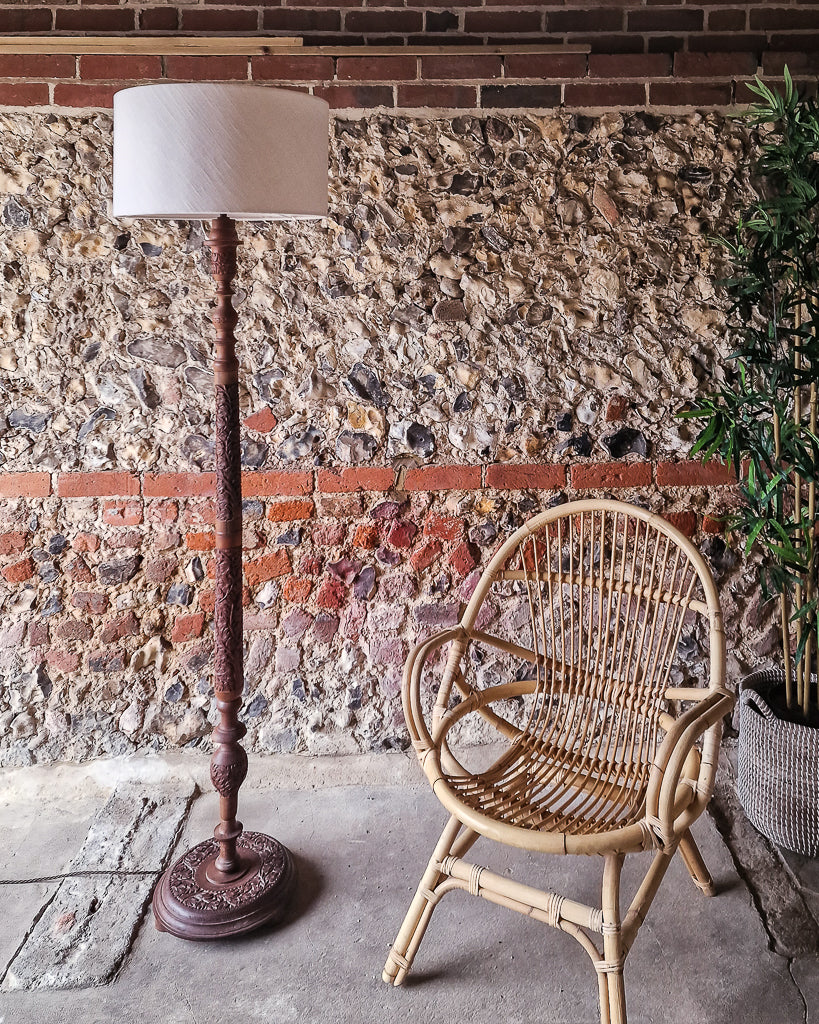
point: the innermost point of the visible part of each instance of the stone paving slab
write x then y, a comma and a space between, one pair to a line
360, 851
80, 933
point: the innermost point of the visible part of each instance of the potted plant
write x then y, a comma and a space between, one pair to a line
762, 419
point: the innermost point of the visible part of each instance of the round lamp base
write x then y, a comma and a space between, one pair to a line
189, 903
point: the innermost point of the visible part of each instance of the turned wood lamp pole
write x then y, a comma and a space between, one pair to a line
221, 153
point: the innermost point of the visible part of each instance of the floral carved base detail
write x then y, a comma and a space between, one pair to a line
190, 904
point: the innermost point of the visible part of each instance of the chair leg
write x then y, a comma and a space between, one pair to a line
423, 903
610, 970
696, 865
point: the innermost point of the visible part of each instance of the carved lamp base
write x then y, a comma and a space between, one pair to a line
188, 903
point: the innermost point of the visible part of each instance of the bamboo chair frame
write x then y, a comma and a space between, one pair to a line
589, 772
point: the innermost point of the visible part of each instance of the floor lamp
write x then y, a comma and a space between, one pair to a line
222, 153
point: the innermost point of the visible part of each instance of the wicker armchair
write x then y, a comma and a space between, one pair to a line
602, 758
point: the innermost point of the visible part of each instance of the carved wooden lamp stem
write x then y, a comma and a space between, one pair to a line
228, 766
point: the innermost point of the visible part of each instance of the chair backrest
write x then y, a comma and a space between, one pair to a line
596, 595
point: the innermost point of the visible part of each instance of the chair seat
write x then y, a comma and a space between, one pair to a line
531, 787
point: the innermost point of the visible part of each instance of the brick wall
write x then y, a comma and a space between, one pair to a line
642, 53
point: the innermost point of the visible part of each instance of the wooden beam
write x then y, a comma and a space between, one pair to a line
246, 46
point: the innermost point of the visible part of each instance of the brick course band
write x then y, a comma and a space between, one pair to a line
439, 81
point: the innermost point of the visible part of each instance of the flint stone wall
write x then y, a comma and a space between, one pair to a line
486, 291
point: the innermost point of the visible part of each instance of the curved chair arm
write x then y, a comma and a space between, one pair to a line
663, 814
422, 741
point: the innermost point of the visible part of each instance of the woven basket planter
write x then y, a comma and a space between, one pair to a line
777, 769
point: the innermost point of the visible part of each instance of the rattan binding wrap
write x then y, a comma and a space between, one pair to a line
777, 769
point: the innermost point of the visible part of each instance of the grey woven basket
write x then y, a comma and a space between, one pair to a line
777, 769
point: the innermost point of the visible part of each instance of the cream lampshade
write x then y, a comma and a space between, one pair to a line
200, 150
221, 153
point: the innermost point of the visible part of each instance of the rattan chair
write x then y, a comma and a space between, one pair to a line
602, 757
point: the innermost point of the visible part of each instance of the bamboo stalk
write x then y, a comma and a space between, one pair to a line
811, 570
797, 507
783, 599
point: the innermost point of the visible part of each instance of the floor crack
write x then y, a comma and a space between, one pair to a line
789, 963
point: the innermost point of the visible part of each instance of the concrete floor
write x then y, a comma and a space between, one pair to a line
362, 830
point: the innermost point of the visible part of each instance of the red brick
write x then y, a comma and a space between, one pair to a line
384, 21
798, 63
507, 96
24, 94
120, 627
96, 604
463, 66
120, 67
303, 21
85, 542
206, 69
38, 634
377, 69
289, 511
310, 565
78, 570
685, 522
157, 570
614, 95
437, 96
84, 95
263, 421
329, 535
769, 18
629, 65
670, 19
297, 589
122, 513
689, 94
94, 485
74, 629
727, 21
443, 527
268, 567
544, 65
366, 537
197, 20
12, 543
714, 65
158, 19
277, 482
205, 541
401, 533
178, 485
95, 19
341, 97
425, 555
62, 661
260, 620
291, 68
505, 476
464, 558
188, 627
198, 512
712, 525
19, 572
22, 20
36, 65
331, 594
616, 408
443, 478
502, 21
163, 511
598, 19
25, 485
694, 474
730, 42
348, 480
611, 474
